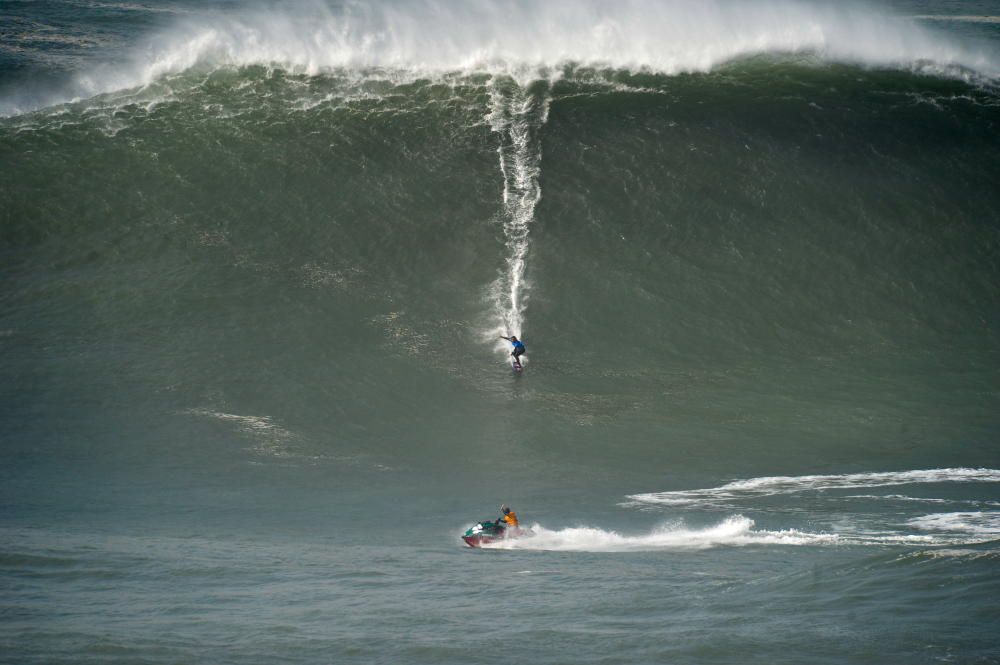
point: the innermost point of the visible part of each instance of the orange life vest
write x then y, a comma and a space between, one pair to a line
510, 518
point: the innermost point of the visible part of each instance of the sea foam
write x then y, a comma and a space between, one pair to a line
981, 524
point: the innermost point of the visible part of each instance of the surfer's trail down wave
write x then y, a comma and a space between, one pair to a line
517, 115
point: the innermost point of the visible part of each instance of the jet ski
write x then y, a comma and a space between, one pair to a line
487, 532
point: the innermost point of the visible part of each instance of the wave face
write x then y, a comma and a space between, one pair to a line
255, 268
778, 260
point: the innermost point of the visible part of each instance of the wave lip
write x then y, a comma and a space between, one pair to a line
529, 40
733, 531
674, 37
773, 485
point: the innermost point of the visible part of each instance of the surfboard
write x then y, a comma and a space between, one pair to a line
515, 365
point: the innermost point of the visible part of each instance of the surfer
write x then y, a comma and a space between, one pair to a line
509, 517
518, 348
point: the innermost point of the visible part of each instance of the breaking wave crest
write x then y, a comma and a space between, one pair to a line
534, 40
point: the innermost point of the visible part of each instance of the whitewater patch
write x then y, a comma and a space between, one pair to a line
732, 531
753, 488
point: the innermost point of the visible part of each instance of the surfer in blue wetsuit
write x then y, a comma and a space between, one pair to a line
518, 347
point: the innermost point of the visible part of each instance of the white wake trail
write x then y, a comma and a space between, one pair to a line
733, 531
938, 530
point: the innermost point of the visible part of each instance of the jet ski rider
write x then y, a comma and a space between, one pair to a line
508, 519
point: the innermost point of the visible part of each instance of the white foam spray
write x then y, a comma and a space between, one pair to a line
732, 531
938, 530
517, 113
460, 35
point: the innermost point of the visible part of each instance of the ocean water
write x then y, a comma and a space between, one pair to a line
257, 259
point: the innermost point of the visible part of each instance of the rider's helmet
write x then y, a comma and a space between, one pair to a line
504, 509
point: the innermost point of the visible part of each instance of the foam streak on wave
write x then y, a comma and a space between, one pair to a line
516, 115
772, 485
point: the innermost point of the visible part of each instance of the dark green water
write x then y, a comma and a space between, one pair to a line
253, 388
